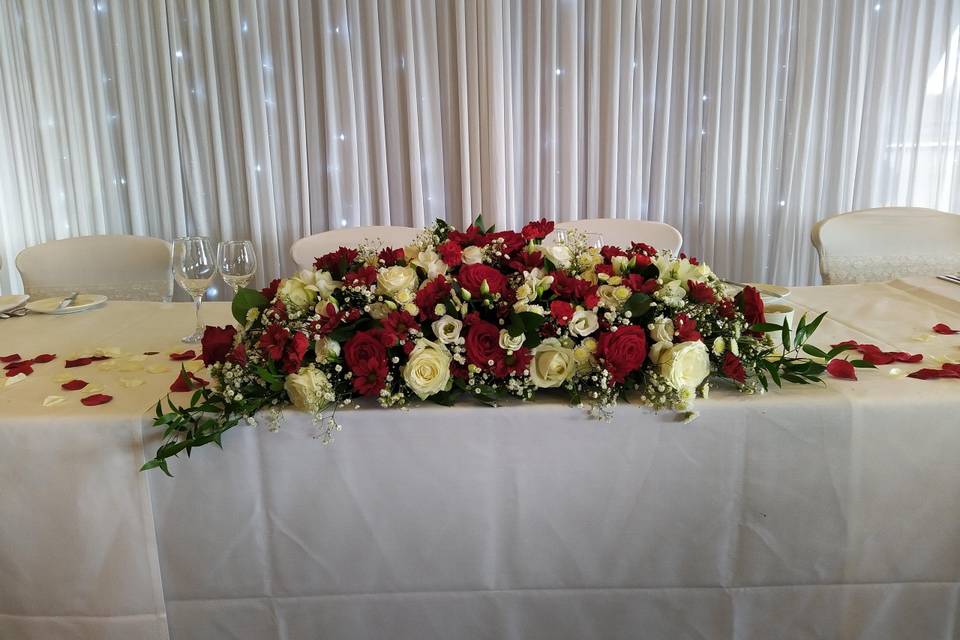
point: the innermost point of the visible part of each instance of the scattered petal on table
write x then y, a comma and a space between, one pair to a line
18, 364
13, 357
150, 353
74, 385
932, 374
137, 357
66, 376
186, 355
130, 383
130, 366
109, 352
186, 381
95, 399
25, 370
841, 369
45, 357
93, 388
52, 401
79, 362
107, 365
945, 330
944, 359
926, 337
99, 357
20, 377
157, 368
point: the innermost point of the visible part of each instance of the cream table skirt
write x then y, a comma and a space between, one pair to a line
819, 512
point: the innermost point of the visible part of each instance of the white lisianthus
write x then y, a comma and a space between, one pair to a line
671, 294
309, 389
613, 297
428, 368
391, 280
685, 365
328, 350
431, 263
719, 346
472, 255
510, 343
295, 293
552, 364
560, 255
447, 329
662, 329
583, 323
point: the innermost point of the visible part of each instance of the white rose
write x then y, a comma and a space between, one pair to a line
662, 330
658, 350
309, 389
430, 262
472, 255
447, 329
510, 343
391, 280
685, 365
560, 255
583, 323
552, 364
428, 369
295, 293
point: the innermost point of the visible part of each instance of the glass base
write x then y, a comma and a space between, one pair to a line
193, 338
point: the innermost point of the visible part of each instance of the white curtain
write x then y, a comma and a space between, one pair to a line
740, 122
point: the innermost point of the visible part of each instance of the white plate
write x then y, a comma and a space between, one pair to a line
770, 290
12, 301
83, 302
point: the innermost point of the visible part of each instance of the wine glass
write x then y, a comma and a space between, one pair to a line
594, 240
194, 267
237, 262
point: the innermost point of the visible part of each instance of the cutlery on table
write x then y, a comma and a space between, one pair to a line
19, 312
955, 279
69, 300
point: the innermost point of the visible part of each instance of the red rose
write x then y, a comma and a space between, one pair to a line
569, 287
274, 341
732, 367
701, 292
623, 351
451, 253
482, 342
217, 343
366, 358
686, 328
472, 276
526, 260
430, 295
561, 312
538, 229
390, 256
752, 305
512, 241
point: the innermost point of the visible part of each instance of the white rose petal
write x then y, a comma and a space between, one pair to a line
552, 364
157, 368
12, 380
130, 383
685, 365
392, 280
52, 401
428, 368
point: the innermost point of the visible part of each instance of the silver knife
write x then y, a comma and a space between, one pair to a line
69, 300
949, 278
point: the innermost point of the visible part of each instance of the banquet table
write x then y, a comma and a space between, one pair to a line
824, 511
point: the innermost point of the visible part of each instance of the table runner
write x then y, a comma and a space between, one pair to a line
817, 512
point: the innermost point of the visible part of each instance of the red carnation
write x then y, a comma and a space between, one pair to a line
701, 292
364, 276
569, 287
686, 328
482, 342
472, 276
294, 353
472, 236
561, 312
538, 229
732, 367
217, 343
366, 356
430, 295
390, 256
526, 260
451, 253
623, 351
238, 356
274, 341
514, 363
605, 269
336, 262
512, 241
752, 305
270, 291
642, 249
609, 251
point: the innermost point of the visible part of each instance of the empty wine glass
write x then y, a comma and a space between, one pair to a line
594, 240
194, 266
237, 262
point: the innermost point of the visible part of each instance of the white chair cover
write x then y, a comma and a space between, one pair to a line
306, 250
874, 245
119, 267
620, 233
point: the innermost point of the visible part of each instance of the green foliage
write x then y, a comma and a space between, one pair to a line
245, 300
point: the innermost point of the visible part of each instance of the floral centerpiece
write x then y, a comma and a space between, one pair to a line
487, 315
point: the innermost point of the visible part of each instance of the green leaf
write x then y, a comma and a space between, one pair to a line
816, 323
638, 304
811, 350
863, 364
766, 327
245, 300
801, 333
785, 335
834, 352
790, 377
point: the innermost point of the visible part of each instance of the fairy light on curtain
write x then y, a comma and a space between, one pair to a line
739, 122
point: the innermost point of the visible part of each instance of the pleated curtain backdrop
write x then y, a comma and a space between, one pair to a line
739, 122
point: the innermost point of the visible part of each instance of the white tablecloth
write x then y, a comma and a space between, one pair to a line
817, 512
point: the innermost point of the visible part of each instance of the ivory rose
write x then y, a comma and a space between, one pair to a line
428, 369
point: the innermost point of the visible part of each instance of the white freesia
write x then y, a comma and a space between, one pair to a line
309, 389
583, 323
552, 364
472, 255
295, 293
431, 262
510, 343
661, 329
671, 294
391, 280
428, 368
537, 280
685, 365
447, 329
320, 281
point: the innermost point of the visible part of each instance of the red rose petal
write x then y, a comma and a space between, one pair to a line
186, 381
932, 374
944, 330
45, 357
150, 353
25, 369
95, 399
73, 385
79, 362
901, 356
13, 357
98, 358
186, 355
878, 357
18, 364
841, 369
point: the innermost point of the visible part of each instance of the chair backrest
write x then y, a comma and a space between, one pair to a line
873, 245
120, 267
306, 250
620, 233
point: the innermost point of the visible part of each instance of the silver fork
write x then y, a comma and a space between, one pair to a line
19, 312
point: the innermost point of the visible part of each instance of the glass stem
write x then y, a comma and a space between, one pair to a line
196, 305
